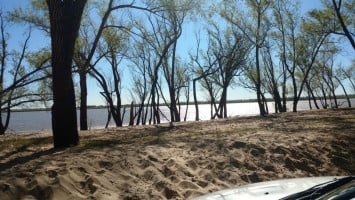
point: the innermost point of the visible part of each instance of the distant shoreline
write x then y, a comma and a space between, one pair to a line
183, 103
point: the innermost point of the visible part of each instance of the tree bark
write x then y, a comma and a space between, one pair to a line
83, 101
65, 17
131, 115
346, 94
342, 23
197, 114
4, 126
258, 74
258, 84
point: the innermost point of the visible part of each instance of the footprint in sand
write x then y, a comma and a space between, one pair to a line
150, 174
31, 183
5, 187
52, 173
23, 175
165, 189
100, 172
192, 164
85, 181
251, 178
160, 185
144, 163
171, 194
202, 184
238, 145
188, 185
171, 163
88, 185
105, 164
152, 158
174, 179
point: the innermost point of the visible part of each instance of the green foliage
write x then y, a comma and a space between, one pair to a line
321, 21
115, 39
326, 21
39, 58
36, 15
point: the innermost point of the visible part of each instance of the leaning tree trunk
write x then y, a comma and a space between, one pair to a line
346, 94
258, 84
65, 17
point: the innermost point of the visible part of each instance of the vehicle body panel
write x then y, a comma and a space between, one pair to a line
269, 190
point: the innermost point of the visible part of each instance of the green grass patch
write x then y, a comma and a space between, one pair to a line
23, 144
102, 143
98, 143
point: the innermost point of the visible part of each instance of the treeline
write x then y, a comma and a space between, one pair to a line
265, 46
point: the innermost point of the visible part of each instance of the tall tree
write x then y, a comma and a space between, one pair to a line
271, 81
307, 47
65, 17
105, 13
349, 74
286, 24
326, 62
230, 49
201, 72
20, 74
38, 17
113, 49
175, 13
204, 67
255, 26
159, 38
141, 65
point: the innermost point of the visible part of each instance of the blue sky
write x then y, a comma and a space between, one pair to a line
186, 43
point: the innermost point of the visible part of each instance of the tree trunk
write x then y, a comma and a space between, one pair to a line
309, 100
335, 99
295, 99
223, 103
187, 103
131, 115
258, 84
325, 104
108, 117
278, 101
311, 93
2, 127
175, 114
346, 94
347, 33
266, 107
333, 92
65, 17
197, 117
284, 90
83, 101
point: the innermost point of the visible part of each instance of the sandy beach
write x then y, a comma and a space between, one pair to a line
180, 161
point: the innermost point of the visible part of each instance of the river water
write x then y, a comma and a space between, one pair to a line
36, 121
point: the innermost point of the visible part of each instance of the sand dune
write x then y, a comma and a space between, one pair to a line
180, 162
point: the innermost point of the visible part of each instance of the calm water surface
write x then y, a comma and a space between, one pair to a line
41, 120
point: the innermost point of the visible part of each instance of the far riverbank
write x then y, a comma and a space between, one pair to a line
40, 120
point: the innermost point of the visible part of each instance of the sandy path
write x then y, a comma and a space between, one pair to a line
180, 162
